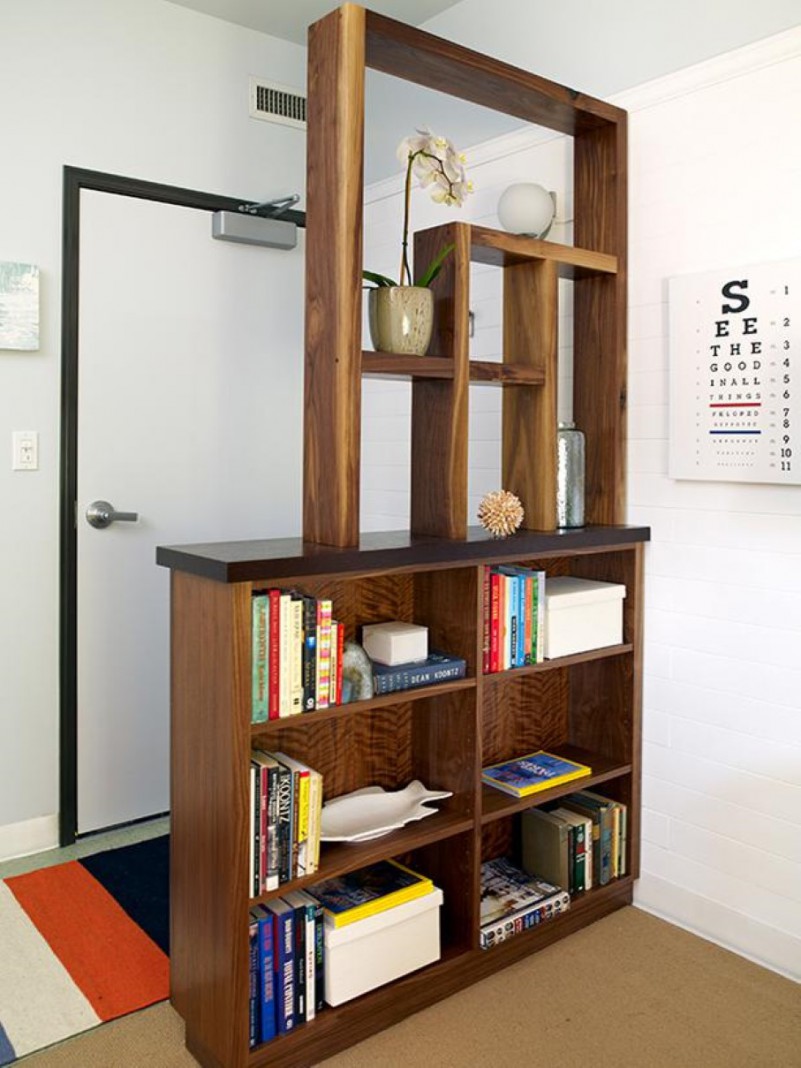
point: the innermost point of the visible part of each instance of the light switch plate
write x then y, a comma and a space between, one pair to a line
25, 450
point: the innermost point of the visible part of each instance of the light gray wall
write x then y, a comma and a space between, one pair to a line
139, 88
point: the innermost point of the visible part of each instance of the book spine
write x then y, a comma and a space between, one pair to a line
253, 819
260, 705
509, 926
296, 655
285, 655
340, 656
332, 670
302, 823
264, 786
319, 956
273, 845
285, 823
284, 943
528, 583
299, 962
540, 616
323, 653
580, 855
506, 617
267, 1012
309, 652
408, 678
274, 684
495, 594
315, 819
254, 1013
485, 622
520, 582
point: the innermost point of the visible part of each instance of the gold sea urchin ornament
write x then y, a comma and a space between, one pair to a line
500, 512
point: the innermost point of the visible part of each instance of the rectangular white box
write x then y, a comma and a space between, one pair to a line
395, 643
380, 948
581, 614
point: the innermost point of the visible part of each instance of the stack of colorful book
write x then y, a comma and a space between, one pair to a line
513, 617
297, 654
512, 901
286, 802
287, 965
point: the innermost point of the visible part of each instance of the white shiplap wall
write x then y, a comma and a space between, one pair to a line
715, 181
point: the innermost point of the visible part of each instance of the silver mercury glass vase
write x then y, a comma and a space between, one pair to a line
570, 476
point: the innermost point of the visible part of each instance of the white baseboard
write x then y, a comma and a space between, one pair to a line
30, 836
743, 935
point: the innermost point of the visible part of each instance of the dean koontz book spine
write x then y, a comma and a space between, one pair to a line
437, 668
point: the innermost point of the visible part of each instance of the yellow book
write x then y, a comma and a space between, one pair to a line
368, 891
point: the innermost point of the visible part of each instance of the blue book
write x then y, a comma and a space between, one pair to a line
438, 667
266, 972
283, 929
253, 993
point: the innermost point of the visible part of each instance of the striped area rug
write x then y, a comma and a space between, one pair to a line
82, 943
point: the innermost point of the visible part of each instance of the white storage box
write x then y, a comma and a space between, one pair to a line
581, 614
380, 948
395, 643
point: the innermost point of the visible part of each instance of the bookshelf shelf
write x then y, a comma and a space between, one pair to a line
500, 249
420, 693
499, 677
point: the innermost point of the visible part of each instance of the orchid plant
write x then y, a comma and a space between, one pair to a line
440, 169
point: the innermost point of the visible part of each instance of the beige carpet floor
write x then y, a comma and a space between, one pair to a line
631, 990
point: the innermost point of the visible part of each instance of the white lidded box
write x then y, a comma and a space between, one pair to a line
581, 614
370, 952
395, 643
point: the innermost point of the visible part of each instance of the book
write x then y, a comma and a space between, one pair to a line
300, 821
270, 847
368, 891
545, 846
284, 653
283, 927
260, 703
315, 820
512, 901
284, 820
600, 812
274, 681
296, 654
306, 909
254, 1011
437, 667
582, 846
334, 665
259, 826
266, 1012
323, 671
309, 652
533, 772
485, 620
495, 593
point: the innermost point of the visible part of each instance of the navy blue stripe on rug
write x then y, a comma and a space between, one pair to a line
138, 877
7, 1051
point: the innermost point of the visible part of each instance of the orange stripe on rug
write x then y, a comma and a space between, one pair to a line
114, 963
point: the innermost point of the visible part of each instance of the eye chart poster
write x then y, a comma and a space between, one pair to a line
735, 374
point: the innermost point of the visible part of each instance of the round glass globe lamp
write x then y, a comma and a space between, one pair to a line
526, 208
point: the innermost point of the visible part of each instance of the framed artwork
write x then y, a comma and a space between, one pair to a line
735, 374
19, 305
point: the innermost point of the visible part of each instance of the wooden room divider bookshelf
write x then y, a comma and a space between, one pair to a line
585, 706
341, 45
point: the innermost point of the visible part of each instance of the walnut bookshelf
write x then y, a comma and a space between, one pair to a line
585, 706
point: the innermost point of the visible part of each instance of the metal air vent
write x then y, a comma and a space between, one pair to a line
277, 103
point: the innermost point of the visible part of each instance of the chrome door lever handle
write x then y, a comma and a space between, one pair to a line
101, 514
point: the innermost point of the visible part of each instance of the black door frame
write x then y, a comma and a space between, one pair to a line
75, 180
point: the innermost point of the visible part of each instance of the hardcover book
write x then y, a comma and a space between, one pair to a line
536, 771
438, 667
260, 708
370, 890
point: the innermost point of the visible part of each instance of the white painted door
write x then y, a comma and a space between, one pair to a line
189, 413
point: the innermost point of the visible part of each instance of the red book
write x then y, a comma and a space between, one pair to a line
485, 622
275, 652
495, 632
340, 654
